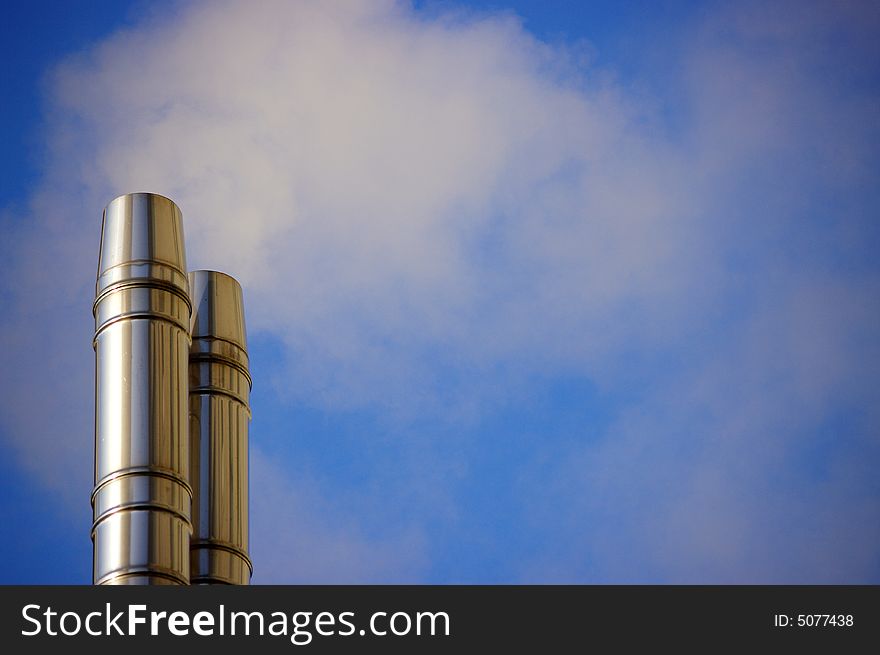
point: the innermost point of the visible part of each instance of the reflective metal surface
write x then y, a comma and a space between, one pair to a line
142, 497
219, 392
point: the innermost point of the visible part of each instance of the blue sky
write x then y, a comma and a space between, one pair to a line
536, 291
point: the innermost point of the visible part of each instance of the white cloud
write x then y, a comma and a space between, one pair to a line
383, 185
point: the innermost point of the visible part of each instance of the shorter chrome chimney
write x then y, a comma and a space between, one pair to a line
219, 412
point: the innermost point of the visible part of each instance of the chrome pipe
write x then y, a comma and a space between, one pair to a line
219, 409
142, 496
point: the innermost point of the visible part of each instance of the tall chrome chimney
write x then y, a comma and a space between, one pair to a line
219, 392
142, 496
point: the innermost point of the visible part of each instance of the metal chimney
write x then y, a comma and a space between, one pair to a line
219, 391
142, 496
